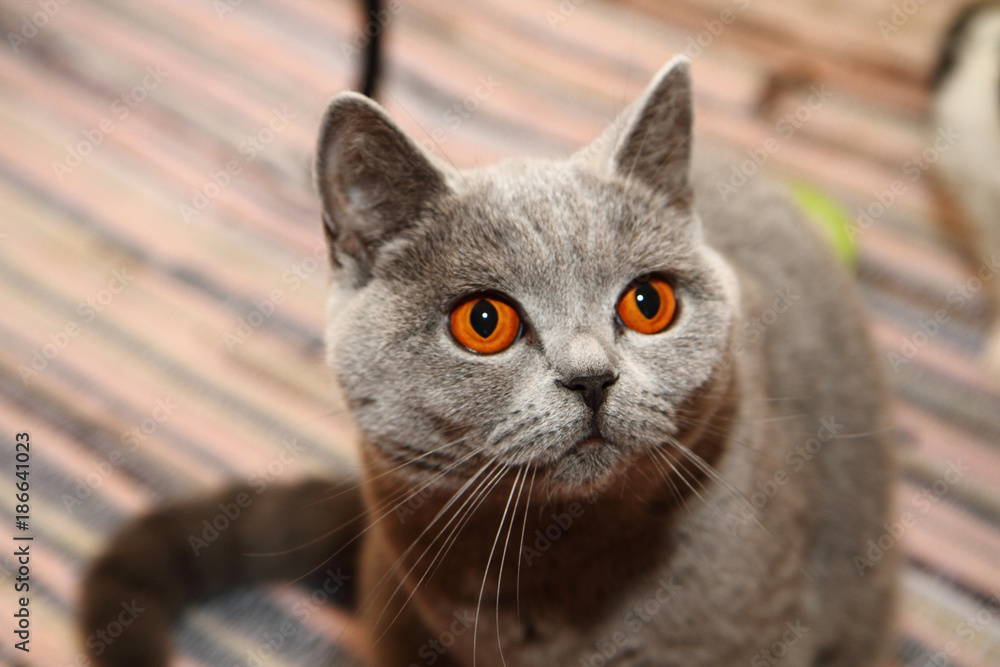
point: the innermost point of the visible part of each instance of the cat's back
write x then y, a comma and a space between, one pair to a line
798, 300
803, 346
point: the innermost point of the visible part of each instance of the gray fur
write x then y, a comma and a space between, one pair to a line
713, 508
563, 241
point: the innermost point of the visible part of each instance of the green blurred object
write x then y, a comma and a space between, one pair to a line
831, 217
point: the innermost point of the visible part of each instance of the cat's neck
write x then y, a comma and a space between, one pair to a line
509, 517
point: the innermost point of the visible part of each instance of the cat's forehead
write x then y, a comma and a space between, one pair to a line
541, 222
550, 205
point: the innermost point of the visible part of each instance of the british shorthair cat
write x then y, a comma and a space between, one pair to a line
647, 425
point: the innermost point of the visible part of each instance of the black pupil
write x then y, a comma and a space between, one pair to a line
484, 318
647, 299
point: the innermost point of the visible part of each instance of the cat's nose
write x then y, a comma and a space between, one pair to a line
593, 388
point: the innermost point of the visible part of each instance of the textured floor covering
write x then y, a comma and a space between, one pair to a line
161, 318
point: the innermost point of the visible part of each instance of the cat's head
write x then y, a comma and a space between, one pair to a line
564, 315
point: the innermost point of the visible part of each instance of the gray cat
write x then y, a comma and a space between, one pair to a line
641, 432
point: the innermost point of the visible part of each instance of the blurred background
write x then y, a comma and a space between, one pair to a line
162, 270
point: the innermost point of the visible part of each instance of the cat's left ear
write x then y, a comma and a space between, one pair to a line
654, 143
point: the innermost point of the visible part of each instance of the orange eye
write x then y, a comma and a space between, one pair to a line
648, 306
485, 325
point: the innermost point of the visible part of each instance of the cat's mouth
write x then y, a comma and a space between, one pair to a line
592, 439
588, 464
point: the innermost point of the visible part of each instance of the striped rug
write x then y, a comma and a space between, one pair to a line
162, 277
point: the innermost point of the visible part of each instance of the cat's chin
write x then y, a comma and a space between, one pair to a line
588, 467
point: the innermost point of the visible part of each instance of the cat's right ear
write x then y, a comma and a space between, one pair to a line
373, 180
